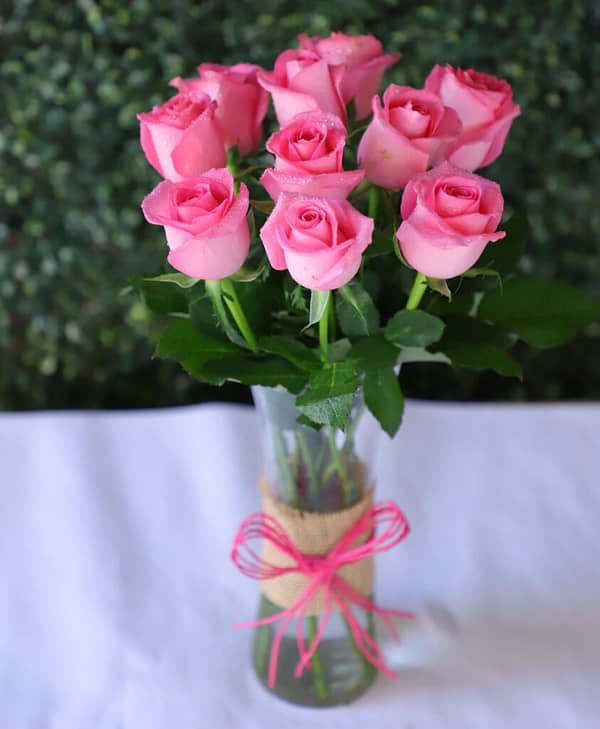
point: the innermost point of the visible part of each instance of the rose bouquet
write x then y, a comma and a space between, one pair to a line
359, 239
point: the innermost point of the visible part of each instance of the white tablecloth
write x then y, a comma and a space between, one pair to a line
117, 596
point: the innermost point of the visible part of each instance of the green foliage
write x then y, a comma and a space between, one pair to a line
183, 342
543, 313
384, 398
356, 311
330, 394
318, 306
413, 329
294, 351
73, 77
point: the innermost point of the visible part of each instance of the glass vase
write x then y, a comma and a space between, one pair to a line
313, 471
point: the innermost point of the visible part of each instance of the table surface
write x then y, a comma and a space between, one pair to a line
117, 596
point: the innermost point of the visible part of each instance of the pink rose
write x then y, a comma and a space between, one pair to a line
204, 222
363, 62
320, 242
301, 81
241, 101
181, 138
406, 136
486, 110
308, 158
449, 216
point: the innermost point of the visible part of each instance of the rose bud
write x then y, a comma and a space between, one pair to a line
486, 110
308, 158
408, 134
205, 223
181, 138
449, 216
363, 61
320, 242
301, 81
241, 101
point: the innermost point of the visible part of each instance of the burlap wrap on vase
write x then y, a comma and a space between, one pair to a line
313, 534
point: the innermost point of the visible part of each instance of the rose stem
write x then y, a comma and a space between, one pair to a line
324, 332
337, 466
232, 158
368, 667
331, 311
263, 644
311, 472
373, 202
317, 668
233, 303
419, 287
287, 482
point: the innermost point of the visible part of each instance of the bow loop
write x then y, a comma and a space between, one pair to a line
249, 562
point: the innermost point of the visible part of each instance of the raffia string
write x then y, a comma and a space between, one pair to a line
380, 527
314, 535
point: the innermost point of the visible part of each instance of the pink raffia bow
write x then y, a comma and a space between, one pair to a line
386, 526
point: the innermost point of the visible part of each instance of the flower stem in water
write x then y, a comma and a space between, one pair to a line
317, 668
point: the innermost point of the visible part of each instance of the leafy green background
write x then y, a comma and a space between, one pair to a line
72, 77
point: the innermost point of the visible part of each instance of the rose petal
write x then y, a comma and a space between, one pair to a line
201, 147
362, 82
387, 156
453, 198
323, 84
212, 258
436, 258
335, 185
409, 122
158, 141
287, 102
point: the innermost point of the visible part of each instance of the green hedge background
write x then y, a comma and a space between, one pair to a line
72, 175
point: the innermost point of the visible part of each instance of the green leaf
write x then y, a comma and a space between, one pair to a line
161, 297
202, 314
413, 329
295, 296
384, 398
382, 243
245, 275
179, 279
374, 353
330, 393
294, 351
259, 299
356, 311
473, 343
484, 358
213, 289
502, 255
251, 220
441, 286
462, 303
303, 420
181, 341
318, 306
418, 354
483, 272
339, 349
471, 331
543, 313
267, 371
264, 206
479, 279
